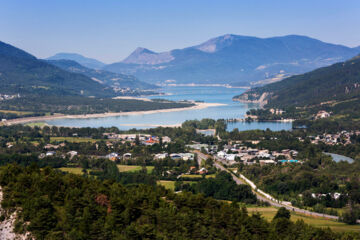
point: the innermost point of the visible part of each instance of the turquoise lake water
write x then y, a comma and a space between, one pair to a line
207, 94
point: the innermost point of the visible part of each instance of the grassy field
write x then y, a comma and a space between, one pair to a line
133, 168
170, 184
74, 170
167, 184
269, 212
36, 124
19, 113
72, 139
197, 176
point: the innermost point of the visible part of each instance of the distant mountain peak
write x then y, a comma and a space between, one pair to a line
218, 43
141, 50
234, 59
85, 61
146, 56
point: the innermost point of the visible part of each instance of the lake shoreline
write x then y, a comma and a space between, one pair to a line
197, 106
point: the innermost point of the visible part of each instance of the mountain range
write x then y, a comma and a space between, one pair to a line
85, 61
115, 80
233, 59
338, 83
22, 73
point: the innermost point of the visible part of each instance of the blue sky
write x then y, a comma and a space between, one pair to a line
109, 30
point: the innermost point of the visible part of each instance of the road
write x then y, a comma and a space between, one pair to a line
272, 202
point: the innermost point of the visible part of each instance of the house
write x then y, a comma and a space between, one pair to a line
203, 171
197, 146
221, 154
294, 153
127, 156
166, 139
252, 151
72, 154
9, 145
230, 157
113, 156
51, 146
161, 156
266, 162
322, 114
182, 156
175, 156
50, 153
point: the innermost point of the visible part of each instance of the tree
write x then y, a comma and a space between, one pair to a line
282, 213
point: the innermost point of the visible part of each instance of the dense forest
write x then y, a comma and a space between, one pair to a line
53, 205
337, 82
221, 187
334, 89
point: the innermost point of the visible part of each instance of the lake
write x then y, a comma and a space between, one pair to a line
200, 93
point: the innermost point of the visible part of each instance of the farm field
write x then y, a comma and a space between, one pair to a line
73, 170
269, 212
36, 124
133, 168
170, 184
19, 113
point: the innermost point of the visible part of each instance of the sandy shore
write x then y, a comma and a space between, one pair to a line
133, 98
102, 115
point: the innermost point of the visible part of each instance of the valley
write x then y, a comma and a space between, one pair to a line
179, 120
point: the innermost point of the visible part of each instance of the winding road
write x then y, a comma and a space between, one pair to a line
273, 202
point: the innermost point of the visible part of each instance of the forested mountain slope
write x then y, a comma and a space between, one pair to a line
24, 74
115, 80
52, 205
337, 83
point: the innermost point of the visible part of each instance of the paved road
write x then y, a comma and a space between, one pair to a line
275, 202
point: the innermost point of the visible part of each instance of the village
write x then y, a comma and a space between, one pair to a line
339, 138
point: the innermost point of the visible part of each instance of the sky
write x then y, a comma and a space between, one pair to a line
109, 30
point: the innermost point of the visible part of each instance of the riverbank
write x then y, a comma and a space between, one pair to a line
287, 120
197, 106
203, 85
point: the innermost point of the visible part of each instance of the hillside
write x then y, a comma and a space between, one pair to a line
338, 82
115, 80
24, 74
85, 61
65, 206
233, 59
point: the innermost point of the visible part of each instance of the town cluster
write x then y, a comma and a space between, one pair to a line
8, 97
340, 138
237, 153
145, 139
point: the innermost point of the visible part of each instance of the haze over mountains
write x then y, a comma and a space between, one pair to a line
85, 61
339, 82
228, 59
21, 73
234, 59
115, 80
